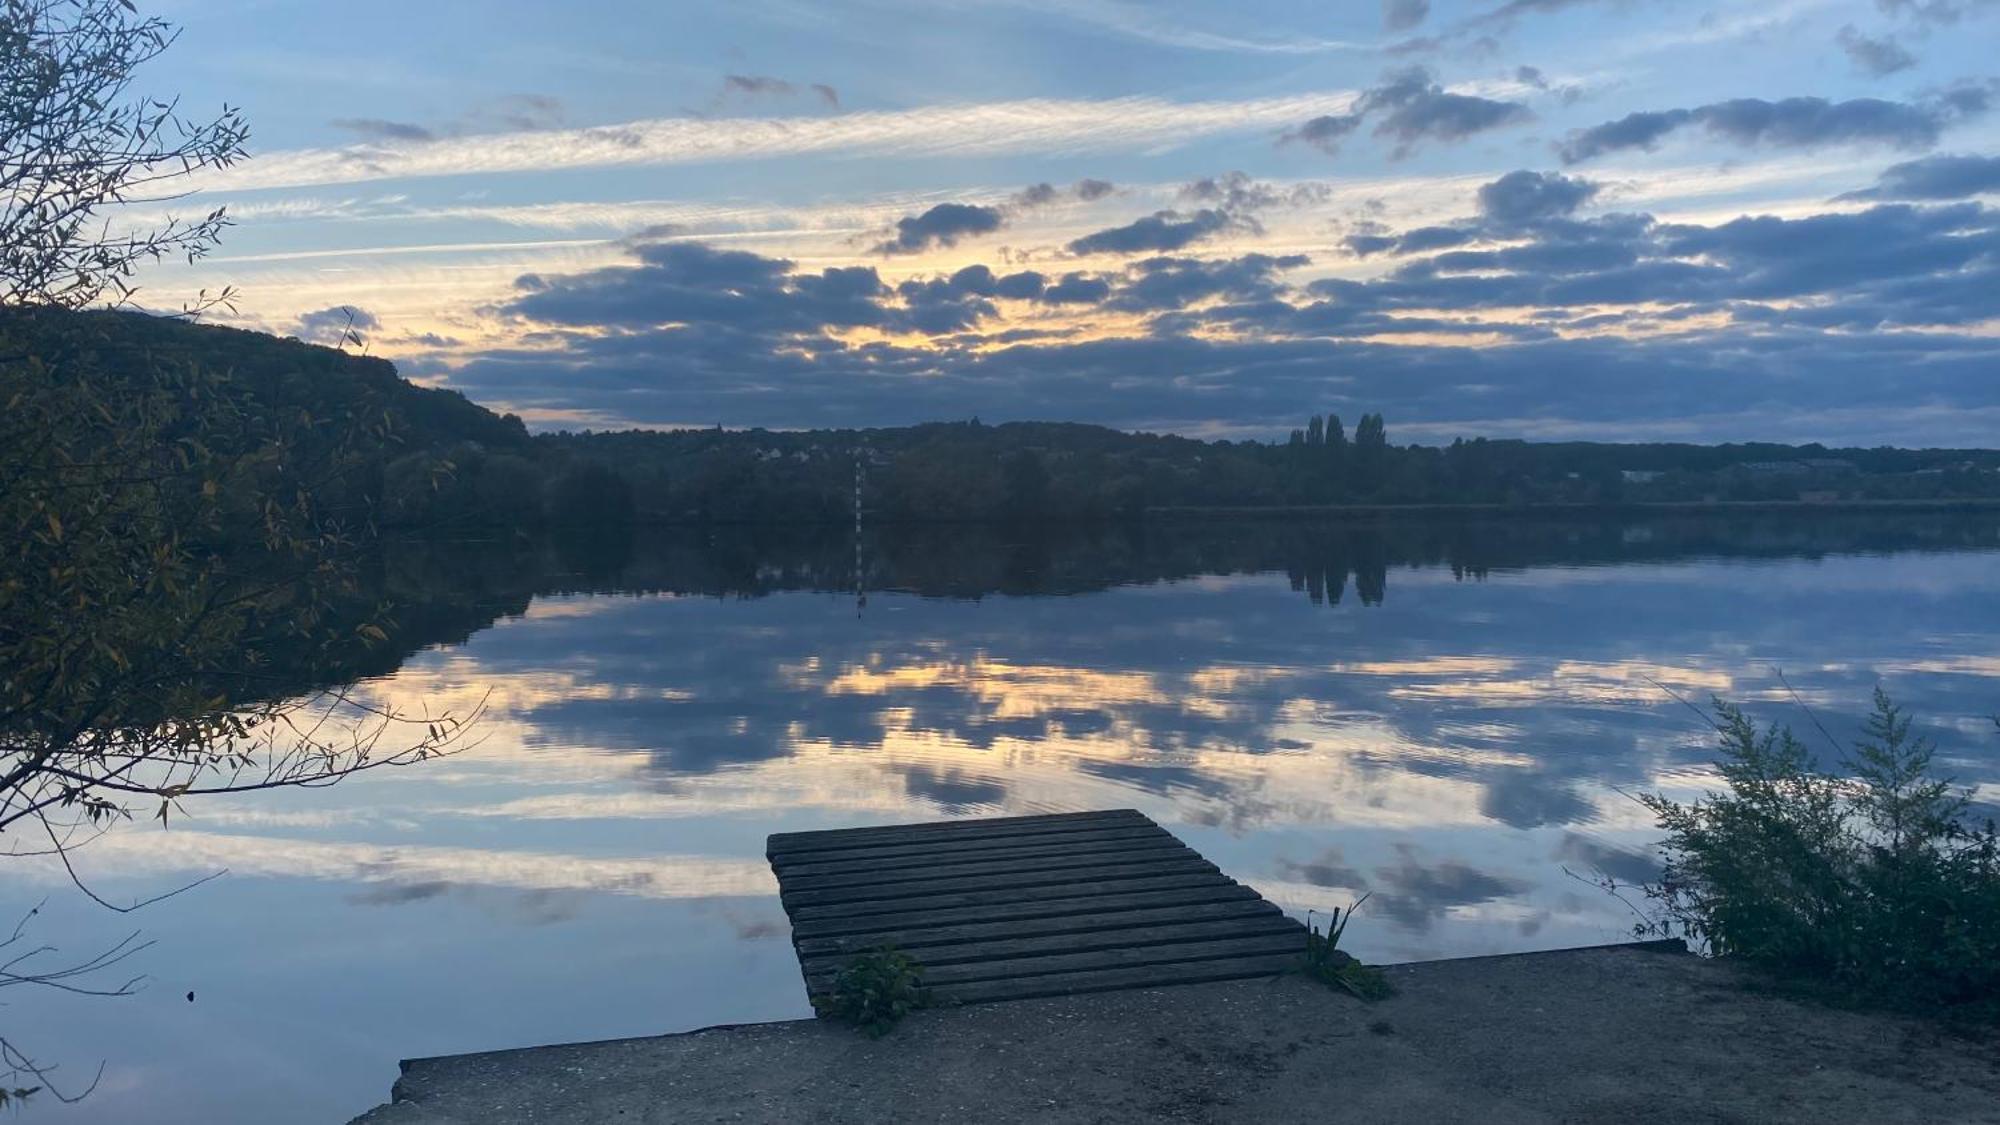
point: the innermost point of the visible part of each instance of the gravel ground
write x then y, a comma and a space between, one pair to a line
1582, 1035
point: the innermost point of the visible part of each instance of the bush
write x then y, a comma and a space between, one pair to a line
1875, 880
875, 990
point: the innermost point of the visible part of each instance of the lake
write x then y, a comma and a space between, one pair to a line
1447, 716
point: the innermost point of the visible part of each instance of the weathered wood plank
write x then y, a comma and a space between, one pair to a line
1026, 906
1106, 874
1106, 980
970, 851
950, 830
1085, 919
948, 910
1088, 941
1100, 960
1170, 849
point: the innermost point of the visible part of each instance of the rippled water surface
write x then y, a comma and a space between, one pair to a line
1447, 717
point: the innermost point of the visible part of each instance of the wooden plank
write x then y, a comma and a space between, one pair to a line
950, 831
1145, 853
1105, 874
997, 950
964, 823
1107, 980
919, 936
1286, 945
1026, 906
807, 863
946, 910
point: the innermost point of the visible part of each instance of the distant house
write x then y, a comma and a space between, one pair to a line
1819, 496
1640, 476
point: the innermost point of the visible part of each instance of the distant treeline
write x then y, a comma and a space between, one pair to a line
431, 458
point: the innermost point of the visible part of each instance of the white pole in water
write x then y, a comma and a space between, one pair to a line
860, 592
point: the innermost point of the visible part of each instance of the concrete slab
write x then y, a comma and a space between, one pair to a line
1603, 1034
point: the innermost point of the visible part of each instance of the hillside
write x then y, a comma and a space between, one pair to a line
438, 459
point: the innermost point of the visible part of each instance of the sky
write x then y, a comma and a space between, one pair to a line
1695, 220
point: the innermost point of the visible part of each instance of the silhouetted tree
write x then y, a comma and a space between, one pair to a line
76, 141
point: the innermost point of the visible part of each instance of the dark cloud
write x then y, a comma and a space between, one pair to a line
1531, 76
1762, 319
1409, 107
1329, 870
336, 326
1236, 191
1158, 284
1940, 12
756, 86
1035, 195
1414, 108
1524, 197
1935, 177
942, 225
1084, 191
690, 283
1484, 29
1402, 15
1788, 123
1877, 56
1624, 866
1162, 230
377, 129
1077, 289
520, 113
1416, 895
1324, 132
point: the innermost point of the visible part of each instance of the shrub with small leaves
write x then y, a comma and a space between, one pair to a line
1876, 879
875, 990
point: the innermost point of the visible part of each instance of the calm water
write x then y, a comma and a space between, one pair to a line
1444, 716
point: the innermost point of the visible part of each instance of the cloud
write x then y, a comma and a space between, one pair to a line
1939, 12
1042, 194
1615, 325
377, 129
1787, 123
519, 112
1159, 284
1162, 230
826, 93
941, 226
335, 327
1524, 197
513, 112
1415, 108
1531, 76
1237, 192
1077, 289
1402, 15
1324, 132
1409, 107
1040, 126
722, 292
1877, 56
1935, 177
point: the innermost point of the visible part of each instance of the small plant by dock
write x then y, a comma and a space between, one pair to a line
875, 991
1327, 963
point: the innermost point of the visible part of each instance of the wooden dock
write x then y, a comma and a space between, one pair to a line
1015, 907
